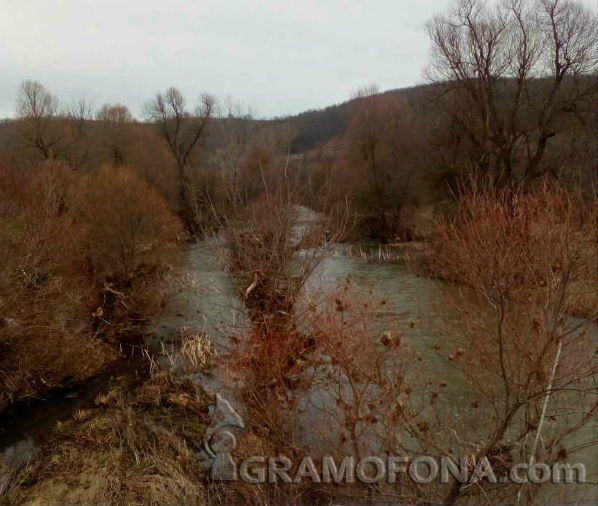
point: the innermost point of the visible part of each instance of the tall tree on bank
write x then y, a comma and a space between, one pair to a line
182, 131
79, 132
487, 58
377, 124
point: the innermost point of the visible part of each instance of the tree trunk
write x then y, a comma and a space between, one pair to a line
186, 211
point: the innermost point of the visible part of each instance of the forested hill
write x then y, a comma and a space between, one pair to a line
319, 125
310, 128
316, 126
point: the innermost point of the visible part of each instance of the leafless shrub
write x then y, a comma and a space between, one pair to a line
127, 224
271, 253
530, 364
46, 301
75, 271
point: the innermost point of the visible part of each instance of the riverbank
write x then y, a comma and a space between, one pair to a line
82, 257
134, 445
131, 434
584, 298
139, 442
583, 288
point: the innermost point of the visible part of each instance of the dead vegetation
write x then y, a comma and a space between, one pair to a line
270, 253
263, 241
83, 247
197, 348
521, 252
518, 241
140, 445
81, 257
133, 447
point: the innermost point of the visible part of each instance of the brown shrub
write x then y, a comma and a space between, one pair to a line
522, 253
56, 311
364, 373
515, 242
45, 330
127, 225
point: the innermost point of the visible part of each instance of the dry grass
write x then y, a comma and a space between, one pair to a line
135, 447
196, 348
140, 446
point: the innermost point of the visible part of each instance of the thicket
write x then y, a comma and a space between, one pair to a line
80, 258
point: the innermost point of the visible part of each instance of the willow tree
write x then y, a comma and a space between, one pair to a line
514, 75
115, 121
38, 114
182, 131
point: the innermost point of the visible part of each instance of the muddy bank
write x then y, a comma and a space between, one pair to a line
133, 444
28, 425
34, 417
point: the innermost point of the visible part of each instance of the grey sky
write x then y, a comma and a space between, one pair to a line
279, 56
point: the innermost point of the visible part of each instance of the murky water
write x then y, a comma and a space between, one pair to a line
203, 299
213, 306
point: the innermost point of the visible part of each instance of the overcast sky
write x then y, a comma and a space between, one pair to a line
281, 57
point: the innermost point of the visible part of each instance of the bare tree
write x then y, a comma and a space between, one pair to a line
38, 111
236, 126
376, 124
115, 113
115, 121
366, 131
182, 131
78, 116
489, 56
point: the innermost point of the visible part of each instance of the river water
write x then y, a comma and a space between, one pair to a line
211, 304
206, 301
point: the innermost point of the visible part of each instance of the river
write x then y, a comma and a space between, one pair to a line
211, 305
207, 302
